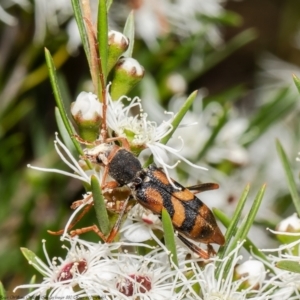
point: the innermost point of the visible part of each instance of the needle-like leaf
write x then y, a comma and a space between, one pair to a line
32, 258
289, 176
169, 235
99, 205
289, 265
129, 32
59, 100
81, 27
232, 226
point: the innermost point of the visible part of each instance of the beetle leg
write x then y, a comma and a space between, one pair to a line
112, 234
74, 206
88, 229
77, 203
114, 231
202, 253
210, 250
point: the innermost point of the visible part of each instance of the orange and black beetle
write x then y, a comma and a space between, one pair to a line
152, 189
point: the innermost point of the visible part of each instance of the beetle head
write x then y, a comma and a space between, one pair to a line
99, 154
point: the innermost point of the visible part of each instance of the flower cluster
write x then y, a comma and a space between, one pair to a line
285, 264
109, 271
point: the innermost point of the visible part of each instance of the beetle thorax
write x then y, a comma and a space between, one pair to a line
124, 166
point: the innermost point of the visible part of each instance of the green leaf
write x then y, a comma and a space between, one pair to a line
230, 95
179, 116
289, 265
228, 18
59, 100
81, 27
102, 27
99, 205
64, 133
169, 235
233, 224
32, 258
32, 281
108, 4
129, 32
69, 142
243, 229
268, 114
297, 82
289, 176
288, 239
248, 245
175, 123
2, 291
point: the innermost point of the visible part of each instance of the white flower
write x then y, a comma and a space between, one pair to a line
106, 271
226, 144
149, 277
223, 286
287, 281
143, 133
75, 274
71, 162
139, 225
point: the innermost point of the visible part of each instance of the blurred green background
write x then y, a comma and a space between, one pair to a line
248, 71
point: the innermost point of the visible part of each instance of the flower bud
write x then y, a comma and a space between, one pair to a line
290, 224
117, 45
126, 74
254, 273
176, 83
86, 111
